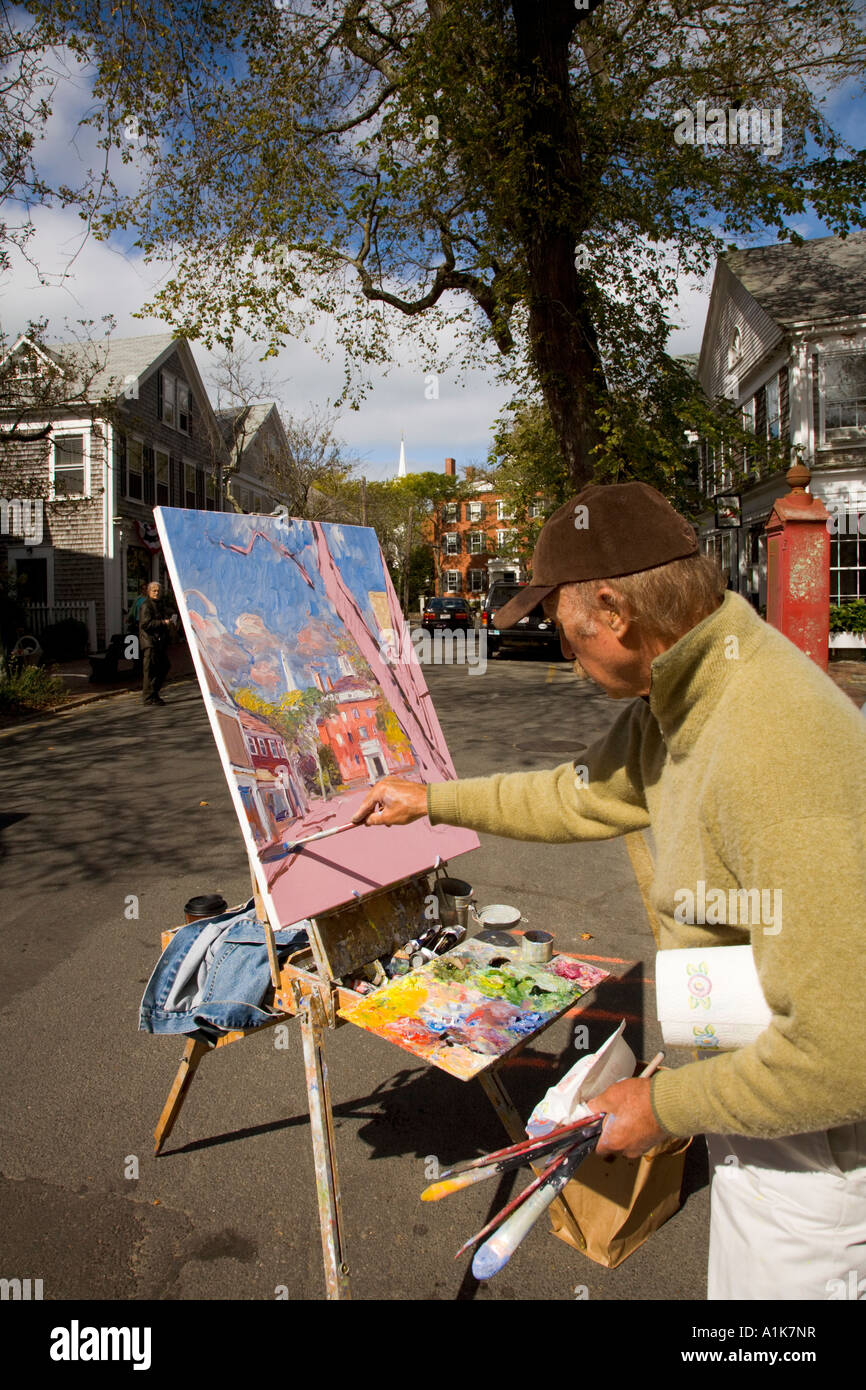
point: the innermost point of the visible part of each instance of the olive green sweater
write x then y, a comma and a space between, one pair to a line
750, 766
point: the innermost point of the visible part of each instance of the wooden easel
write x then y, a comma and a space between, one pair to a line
308, 986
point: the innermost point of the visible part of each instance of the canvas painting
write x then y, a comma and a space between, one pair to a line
311, 700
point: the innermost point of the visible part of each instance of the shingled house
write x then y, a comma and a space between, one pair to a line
785, 340
99, 479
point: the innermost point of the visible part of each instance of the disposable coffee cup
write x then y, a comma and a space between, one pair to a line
536, 947
205, 905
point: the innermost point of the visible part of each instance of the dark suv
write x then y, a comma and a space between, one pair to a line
534, 629
446, 613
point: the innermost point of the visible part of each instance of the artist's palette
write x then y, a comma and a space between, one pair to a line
465, 1010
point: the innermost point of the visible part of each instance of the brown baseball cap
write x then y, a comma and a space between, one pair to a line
604, 531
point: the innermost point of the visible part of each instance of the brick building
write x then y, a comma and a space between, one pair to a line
474, 540
363, 751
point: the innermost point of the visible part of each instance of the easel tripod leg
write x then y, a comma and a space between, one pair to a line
324, 1150
192, 1055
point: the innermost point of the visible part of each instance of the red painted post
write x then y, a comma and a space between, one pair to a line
798, 567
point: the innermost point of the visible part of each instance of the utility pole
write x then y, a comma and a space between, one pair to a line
363, 501
406, 562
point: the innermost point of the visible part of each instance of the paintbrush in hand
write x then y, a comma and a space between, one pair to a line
530, 1148
456, 1179
495, 1253
521, 1197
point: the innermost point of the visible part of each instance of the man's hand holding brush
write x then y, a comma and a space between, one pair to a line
393, 801
630, 1127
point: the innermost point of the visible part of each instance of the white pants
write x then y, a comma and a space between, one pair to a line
788, 1216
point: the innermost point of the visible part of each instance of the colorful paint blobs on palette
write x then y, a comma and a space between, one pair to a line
291, 627
463, 1012
578, 970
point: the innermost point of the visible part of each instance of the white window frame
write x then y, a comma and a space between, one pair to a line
165, 379
479, 587
450, 577
447, 548
449, 513
504, 539
134, 439
183, 393
64, 431
853, 434
536, 510
476, 511
501, 513
773, 385
476, 542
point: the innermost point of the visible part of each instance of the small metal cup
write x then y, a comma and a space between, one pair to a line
536, 948
454, 896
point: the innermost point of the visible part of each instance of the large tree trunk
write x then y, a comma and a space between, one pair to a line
552, 208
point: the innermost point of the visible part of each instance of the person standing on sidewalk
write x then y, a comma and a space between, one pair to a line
154, 631
750, 768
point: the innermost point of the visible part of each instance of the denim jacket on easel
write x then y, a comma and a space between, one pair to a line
213, 975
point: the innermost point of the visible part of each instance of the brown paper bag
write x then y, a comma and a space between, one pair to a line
617, 1203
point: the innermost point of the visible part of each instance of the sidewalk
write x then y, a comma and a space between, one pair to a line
850, 677
76, 677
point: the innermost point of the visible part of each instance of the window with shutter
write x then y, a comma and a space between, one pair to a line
161, 460
135, 469
773, 410
183, 407
167, 412
69, 473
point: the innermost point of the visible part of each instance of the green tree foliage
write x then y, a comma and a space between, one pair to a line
652, 436
436, 165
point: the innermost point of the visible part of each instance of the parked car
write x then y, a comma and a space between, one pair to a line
450, 613
535, 629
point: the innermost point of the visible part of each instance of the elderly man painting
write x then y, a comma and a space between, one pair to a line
750, 767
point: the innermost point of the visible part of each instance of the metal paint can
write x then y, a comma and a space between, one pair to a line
536, 948
454, 896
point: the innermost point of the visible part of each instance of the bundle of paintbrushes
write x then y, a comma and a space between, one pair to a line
567, 1147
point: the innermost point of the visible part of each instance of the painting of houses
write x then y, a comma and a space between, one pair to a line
289, 624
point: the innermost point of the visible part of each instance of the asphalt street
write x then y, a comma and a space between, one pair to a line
116, 803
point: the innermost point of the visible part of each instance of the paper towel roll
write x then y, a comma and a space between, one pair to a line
710, 998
